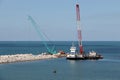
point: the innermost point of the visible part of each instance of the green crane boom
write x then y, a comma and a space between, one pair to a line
41, 35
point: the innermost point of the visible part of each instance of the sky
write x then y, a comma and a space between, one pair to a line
100, 20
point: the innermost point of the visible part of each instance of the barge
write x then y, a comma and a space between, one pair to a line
73, 55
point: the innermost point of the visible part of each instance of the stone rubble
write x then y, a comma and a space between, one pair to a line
23, 57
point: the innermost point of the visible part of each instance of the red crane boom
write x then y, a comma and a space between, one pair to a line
79, 29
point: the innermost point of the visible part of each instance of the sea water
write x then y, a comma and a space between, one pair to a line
104, 69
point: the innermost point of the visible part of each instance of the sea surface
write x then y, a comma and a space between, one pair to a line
104, 69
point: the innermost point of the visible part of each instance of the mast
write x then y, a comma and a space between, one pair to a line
79, 29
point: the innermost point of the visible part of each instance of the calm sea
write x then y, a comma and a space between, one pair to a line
104, 69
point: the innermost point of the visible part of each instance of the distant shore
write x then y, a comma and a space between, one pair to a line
24, 57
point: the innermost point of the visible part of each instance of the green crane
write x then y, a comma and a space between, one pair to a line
41, 35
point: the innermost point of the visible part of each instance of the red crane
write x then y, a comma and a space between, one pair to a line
79, 29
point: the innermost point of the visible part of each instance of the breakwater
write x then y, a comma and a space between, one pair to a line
24, 57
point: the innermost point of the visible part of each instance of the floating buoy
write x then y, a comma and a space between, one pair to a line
54, 71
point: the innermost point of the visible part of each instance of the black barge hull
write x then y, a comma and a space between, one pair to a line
85, 58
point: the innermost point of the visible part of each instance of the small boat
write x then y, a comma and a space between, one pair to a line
93, 55
73, 55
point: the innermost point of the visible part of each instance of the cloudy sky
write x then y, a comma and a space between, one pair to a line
100, 20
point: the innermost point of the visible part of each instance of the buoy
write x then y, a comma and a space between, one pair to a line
54, 71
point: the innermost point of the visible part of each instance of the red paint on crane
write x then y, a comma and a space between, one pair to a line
81, 49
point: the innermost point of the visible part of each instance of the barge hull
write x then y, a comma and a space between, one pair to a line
85, 58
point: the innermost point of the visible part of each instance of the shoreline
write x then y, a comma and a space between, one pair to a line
25, 57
